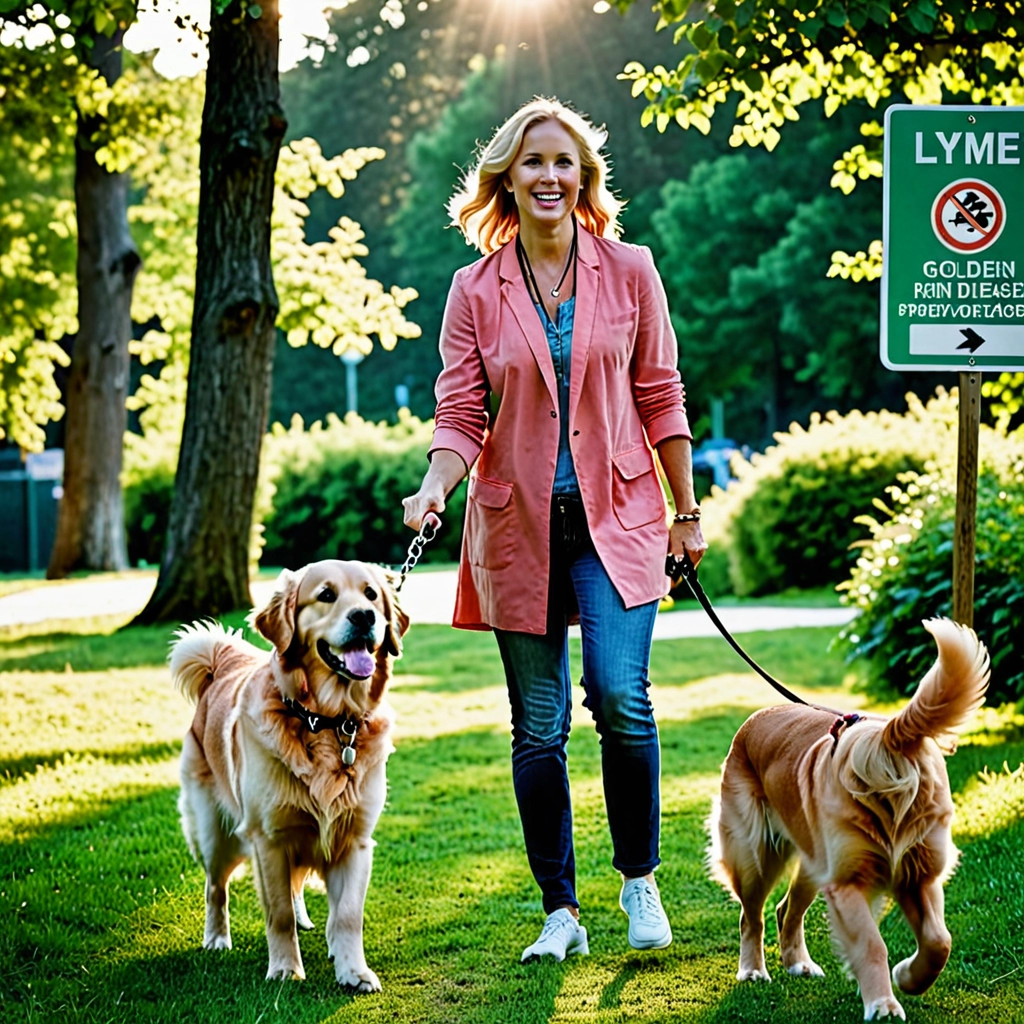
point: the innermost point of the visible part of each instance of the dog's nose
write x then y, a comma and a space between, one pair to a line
362, 618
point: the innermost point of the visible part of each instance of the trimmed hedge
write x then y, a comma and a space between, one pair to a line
904, 574
788, 518
338, 492
332, 491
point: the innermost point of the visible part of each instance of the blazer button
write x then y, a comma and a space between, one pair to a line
554, 415
575, 433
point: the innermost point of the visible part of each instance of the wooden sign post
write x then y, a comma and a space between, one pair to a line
966, 498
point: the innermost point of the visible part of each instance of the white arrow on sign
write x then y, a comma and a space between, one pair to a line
948, 339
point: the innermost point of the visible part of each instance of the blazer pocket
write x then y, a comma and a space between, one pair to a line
637, 498
491, 527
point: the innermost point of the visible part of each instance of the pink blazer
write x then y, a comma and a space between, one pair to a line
625, 396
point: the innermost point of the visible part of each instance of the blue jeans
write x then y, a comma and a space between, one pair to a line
616, 653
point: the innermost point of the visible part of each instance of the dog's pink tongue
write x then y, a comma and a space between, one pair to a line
359, 663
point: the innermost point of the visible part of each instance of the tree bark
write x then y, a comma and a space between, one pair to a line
90, 528
205, 566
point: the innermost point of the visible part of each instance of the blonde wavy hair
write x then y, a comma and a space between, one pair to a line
487, 214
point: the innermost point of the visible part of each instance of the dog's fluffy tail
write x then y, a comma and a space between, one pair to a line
953, 689
194, 655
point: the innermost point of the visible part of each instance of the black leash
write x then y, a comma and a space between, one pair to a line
676, 567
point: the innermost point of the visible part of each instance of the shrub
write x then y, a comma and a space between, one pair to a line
147, 480
904, 574
788, 518
338, 492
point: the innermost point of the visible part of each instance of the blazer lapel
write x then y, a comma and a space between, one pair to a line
588, 292
514, 292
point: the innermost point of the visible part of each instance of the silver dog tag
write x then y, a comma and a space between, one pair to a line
348, 756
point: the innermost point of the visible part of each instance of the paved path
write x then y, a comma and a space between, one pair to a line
427, 597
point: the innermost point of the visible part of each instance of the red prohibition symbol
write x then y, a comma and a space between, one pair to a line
968, 215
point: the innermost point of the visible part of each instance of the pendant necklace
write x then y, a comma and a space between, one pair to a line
527, 269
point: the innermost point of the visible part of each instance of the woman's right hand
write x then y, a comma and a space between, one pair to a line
446, 470
429, 498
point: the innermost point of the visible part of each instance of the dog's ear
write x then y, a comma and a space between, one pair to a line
398, 621
276, 620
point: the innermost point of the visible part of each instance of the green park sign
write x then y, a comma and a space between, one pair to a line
953, 242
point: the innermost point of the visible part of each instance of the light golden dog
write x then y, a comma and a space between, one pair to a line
285, 760
863, 805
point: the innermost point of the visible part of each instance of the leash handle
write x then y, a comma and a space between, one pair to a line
676, 567
429, 526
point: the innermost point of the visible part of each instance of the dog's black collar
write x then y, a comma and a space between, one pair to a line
319, 723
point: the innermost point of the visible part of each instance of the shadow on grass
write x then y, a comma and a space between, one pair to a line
16, 768
611, 994
30, 649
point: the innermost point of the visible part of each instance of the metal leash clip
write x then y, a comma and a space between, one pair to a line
428, 531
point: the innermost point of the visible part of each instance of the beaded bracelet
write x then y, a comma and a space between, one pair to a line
687, 517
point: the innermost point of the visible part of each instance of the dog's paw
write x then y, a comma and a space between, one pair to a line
286, 972
218, 940
903, 977
360, 982
887, 1006
752, 974
805, 969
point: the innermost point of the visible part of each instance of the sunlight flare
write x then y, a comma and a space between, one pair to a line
177, 29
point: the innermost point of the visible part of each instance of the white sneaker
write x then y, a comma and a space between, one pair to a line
648, 923
561, 934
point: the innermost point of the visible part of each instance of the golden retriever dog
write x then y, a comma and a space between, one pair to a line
862, 804
285, 759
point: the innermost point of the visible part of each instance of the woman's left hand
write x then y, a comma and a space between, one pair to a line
686, 537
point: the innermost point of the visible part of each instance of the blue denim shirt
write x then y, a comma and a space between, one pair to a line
560, 342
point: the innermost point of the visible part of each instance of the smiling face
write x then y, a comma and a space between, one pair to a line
334, 625
342, 616
545, 176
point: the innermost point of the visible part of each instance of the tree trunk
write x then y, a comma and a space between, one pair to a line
205, 565
90, 529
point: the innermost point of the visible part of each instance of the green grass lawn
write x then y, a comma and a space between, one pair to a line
102, 906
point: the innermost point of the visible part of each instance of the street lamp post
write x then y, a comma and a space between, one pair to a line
351, 358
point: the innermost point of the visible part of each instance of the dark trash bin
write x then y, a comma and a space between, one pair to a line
30, 494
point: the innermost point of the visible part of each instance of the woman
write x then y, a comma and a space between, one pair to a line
559, 374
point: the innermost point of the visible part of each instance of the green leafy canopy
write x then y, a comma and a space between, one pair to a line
777, 56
